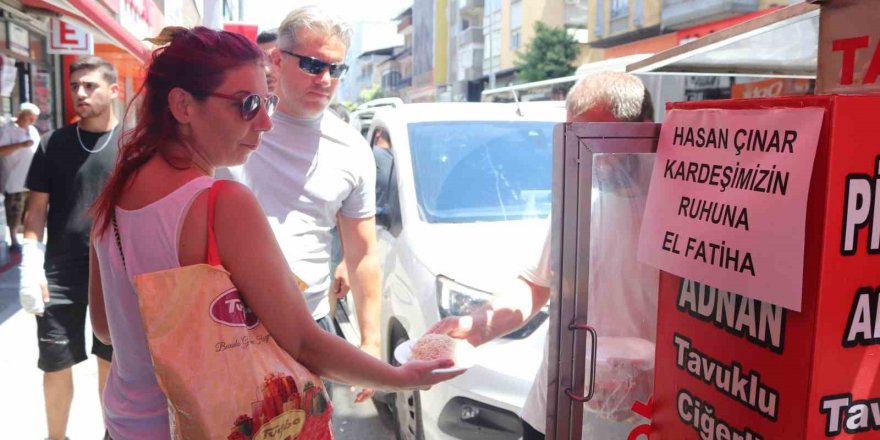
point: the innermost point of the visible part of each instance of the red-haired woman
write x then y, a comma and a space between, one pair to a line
205, 105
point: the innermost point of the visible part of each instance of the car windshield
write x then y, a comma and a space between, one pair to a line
483, 170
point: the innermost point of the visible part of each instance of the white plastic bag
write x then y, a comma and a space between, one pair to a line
32, 276
624, 375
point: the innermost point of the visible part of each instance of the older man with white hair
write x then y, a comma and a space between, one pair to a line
18, 143
623, 288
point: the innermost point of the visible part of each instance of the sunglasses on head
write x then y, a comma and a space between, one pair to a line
314, 66
250, 104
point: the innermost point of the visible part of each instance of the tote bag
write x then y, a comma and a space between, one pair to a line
221, 370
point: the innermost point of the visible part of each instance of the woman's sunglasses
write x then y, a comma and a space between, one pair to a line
250, 104
314, 66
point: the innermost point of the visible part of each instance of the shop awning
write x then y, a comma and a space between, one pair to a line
94, 17
783, 43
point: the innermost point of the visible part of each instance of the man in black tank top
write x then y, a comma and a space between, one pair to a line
68, 172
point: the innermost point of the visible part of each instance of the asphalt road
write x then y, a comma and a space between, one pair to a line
356, 421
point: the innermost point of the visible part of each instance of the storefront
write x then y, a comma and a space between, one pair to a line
26, 69
117, 29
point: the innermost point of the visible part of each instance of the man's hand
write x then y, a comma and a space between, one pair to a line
26, 143
33, 287
364, 394
461, 327
340, 285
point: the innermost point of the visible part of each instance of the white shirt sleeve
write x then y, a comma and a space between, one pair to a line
361, 202
540, 272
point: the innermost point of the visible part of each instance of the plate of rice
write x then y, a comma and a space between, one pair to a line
434, 346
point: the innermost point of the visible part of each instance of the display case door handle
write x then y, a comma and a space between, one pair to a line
569, 392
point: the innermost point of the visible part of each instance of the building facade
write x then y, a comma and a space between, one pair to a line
366, 36
465, 50
509, 27
627, 27
643, 27
36, 58
430, 49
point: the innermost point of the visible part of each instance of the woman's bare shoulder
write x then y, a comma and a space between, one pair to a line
236, 201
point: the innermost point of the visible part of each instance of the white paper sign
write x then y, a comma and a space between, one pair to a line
19, 41
8, 75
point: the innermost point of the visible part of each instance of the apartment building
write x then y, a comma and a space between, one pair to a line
465, 49
507, 27
367, 70
402, 61
429, 51
627, 27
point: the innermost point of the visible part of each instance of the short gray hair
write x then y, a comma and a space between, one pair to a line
622, 94
315, 19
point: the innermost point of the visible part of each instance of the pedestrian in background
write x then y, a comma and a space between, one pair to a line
205, 105
623, 292
67, 173
266, 40
314, 172
18, 143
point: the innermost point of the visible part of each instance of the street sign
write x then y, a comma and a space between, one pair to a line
849, 47
69, 39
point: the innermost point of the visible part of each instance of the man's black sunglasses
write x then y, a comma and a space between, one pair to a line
314, 66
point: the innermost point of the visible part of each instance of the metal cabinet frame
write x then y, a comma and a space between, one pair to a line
574, 145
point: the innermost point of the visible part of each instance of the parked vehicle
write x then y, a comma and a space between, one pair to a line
362, 116
468, 199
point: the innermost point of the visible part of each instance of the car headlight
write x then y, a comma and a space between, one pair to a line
457, 299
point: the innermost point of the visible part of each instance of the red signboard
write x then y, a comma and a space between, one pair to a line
248, 30
849, 47
732, 367
69, 39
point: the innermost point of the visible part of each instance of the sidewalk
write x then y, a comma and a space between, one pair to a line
22, 404
21, 401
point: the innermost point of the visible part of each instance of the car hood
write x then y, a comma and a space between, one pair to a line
482, 255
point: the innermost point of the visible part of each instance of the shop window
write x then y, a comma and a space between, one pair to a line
619, 16
4, 41
619, 8
42, 97
515, 24
37, 47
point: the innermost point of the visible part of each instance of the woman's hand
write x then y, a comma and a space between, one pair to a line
420, 374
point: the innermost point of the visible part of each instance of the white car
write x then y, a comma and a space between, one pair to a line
362, 116
465, 211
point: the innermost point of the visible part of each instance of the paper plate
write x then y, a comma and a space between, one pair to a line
465, 352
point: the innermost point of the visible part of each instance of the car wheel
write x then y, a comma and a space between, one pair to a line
385, 412
407, 409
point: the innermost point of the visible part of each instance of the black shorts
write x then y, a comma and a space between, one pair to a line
61, 335
13, 203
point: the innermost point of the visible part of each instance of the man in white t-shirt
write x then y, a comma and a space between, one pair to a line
313, 172
622, 289
18, 143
